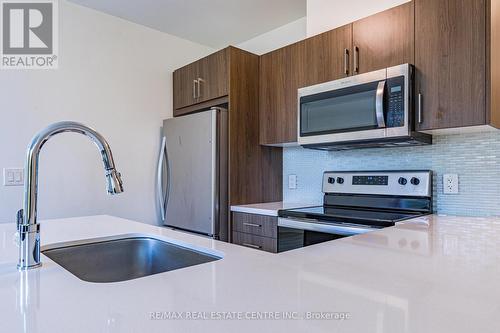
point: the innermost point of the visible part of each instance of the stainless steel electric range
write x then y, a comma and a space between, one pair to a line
356, 202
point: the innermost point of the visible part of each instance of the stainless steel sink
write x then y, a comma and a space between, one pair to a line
114, 260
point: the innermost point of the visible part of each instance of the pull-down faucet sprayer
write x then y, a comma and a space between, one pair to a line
28, 227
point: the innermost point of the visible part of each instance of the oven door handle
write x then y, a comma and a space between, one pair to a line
379, 104
330, 228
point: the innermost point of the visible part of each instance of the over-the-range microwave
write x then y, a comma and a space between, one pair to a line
367, 110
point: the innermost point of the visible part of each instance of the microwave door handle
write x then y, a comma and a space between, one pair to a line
379, 104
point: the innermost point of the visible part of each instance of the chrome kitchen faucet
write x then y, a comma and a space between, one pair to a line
27, 225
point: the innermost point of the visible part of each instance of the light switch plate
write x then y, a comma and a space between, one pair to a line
13, 177
450, 183
292, 182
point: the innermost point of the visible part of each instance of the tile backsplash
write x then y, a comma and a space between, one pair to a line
475, 157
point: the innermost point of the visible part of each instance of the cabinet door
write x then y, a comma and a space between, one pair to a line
450, 61
315, 60
383, 40
185, 86
323, 58
213, 76
276, 99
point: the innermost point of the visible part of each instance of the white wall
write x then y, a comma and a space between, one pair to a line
324, 15
114, 76
279, 37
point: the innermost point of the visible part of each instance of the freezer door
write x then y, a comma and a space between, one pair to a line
192, 171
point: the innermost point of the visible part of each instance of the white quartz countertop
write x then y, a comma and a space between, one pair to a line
268, 208
434, 274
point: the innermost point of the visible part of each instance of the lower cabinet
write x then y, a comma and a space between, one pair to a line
255, 231
255, 242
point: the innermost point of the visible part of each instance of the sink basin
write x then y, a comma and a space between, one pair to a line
122, 259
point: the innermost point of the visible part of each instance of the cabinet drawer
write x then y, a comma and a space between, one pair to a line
255, 242
260, 225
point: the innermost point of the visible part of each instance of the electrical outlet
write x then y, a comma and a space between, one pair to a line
450, 183
292, 182
13, 177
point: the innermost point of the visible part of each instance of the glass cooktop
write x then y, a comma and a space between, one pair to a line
346, 215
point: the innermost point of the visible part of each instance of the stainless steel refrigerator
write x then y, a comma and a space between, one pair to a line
192, 173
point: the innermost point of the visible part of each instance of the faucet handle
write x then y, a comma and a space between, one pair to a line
20, 217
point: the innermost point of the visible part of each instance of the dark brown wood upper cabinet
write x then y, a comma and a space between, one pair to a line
322, 58
278, 80
450, 61
379, 41
201, 81
185, 85
383, 40
213, 76
314, 60
454, 45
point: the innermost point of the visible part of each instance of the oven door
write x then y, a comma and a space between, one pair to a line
356, 108
296, 233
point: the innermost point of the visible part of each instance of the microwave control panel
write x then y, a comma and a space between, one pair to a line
396, 108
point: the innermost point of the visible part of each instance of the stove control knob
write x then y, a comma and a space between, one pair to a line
402, 181
415, 181
331, 180
340, 180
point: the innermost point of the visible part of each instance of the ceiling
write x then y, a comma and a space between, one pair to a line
215, 23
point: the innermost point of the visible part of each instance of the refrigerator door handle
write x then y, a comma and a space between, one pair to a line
162, 197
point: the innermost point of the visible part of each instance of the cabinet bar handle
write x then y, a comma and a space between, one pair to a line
346, 61
194, 88
419, 108
356, 59
200, 80
252, 225
252, 245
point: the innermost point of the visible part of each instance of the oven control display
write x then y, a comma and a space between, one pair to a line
370, 180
